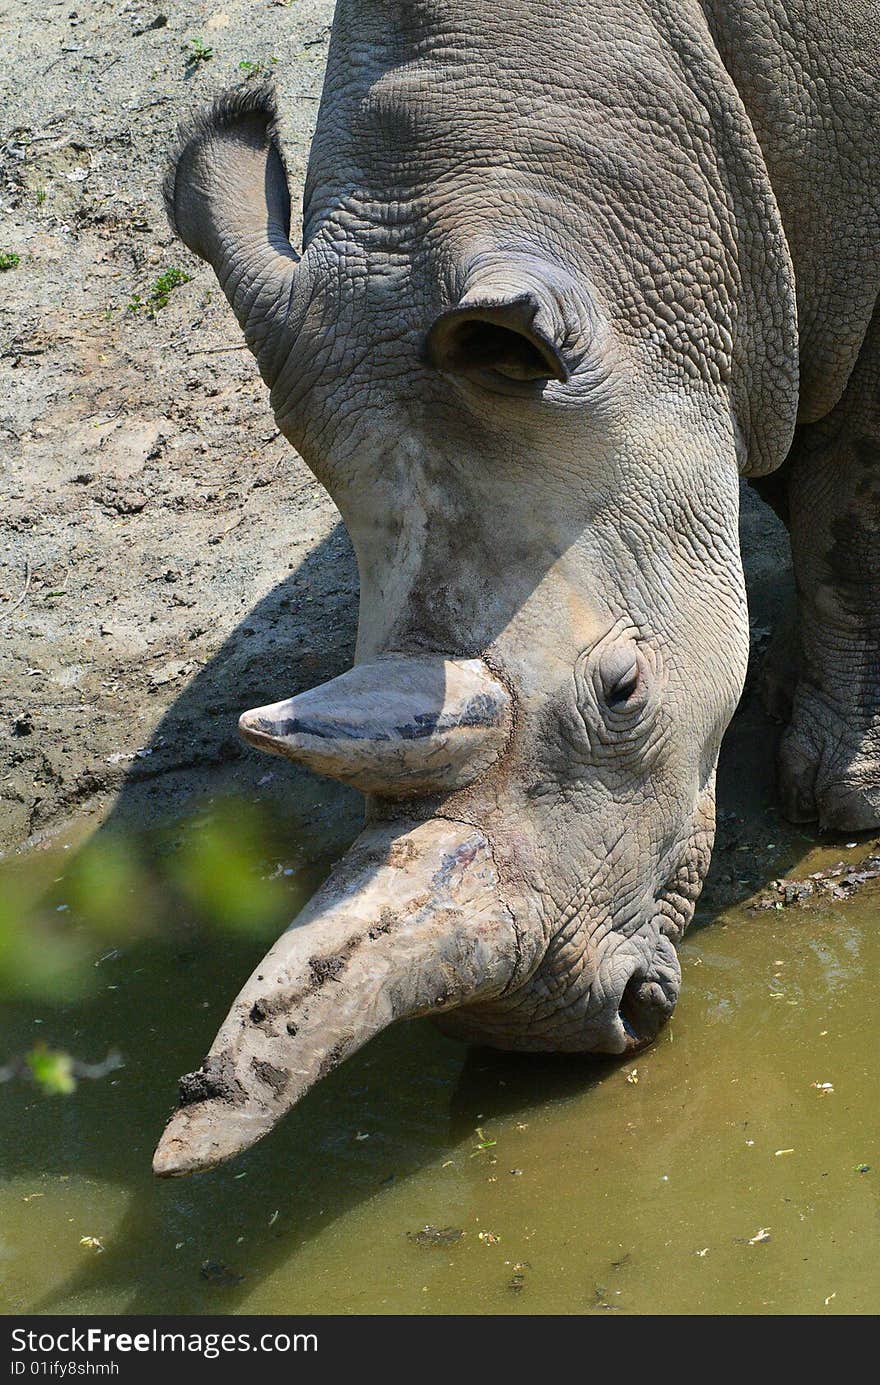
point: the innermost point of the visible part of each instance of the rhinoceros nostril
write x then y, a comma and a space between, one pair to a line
643, 1009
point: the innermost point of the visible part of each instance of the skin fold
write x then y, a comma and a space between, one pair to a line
564, 278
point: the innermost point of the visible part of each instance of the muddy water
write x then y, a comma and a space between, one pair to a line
715, 1175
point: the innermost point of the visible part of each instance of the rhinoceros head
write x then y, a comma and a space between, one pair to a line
542, 497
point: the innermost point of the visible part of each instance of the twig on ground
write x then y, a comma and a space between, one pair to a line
217, 350
5, 614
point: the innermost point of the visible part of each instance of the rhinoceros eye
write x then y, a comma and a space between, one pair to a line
619, 676
624, 689
618, 685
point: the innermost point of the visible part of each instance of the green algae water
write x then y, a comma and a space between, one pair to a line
733, 1168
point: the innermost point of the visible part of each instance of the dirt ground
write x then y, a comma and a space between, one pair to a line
149, 507
165, 560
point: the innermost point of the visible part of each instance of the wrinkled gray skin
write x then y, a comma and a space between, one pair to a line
567, 271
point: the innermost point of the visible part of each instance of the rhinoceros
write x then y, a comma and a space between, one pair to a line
568, 272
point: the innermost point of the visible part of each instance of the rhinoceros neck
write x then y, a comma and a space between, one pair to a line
806, 74
608, 135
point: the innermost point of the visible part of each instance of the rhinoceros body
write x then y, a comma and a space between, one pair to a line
568, 271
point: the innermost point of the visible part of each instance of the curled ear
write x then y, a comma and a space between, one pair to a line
505, 344
227, 198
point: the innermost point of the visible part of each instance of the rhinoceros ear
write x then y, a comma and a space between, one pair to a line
504, 345
227, 198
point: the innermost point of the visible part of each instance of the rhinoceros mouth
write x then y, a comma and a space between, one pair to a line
620, 1008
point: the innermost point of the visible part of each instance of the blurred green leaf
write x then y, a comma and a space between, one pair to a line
221, 871
108, 889
52, 1070
36, 957
218, 870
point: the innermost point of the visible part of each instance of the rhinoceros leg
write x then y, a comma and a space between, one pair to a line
829, 765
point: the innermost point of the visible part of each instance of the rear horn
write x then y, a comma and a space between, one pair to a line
396, 727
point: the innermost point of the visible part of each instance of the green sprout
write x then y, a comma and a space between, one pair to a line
171, 279
159, 294
198, 52
9, 260
254, 69
483, 1143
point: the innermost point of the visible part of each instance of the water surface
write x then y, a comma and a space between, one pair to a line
719, 1176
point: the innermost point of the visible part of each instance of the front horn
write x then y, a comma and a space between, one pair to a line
411, 922
396, 727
